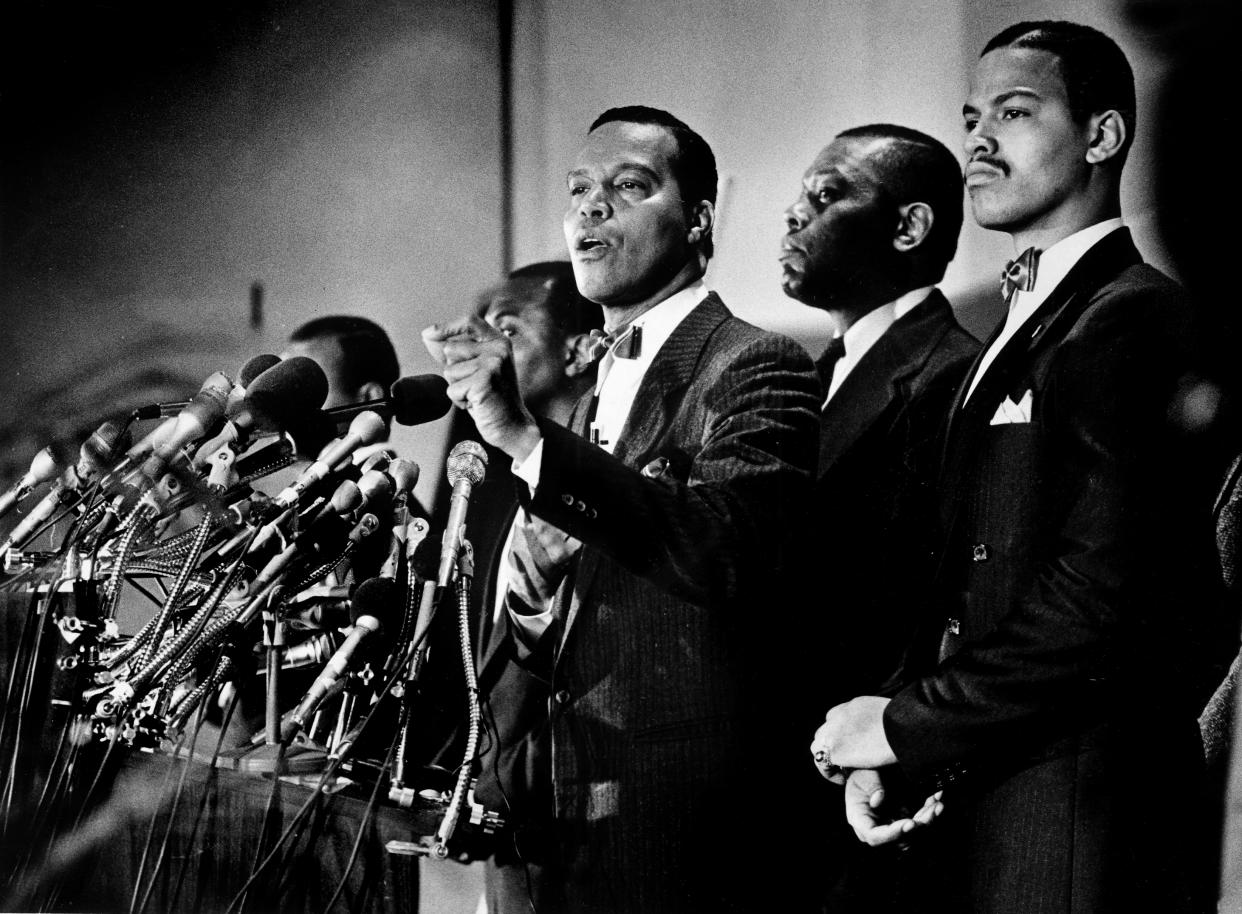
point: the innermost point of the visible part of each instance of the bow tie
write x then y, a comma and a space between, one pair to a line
1019, 274
628, 344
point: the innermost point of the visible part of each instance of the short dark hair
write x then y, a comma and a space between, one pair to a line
694, 164
915, 167
367, 353
571, 313
1095, 70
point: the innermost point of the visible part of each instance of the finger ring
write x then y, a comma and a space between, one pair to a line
821, 757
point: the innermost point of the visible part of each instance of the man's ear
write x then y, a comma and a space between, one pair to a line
578, 354
702, 218
914, 222
371, 390
1107, 136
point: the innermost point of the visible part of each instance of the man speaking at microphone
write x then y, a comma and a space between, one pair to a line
657, 520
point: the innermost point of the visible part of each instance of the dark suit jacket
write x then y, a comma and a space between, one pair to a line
873, 529
662, 670
1077, 569
874, 507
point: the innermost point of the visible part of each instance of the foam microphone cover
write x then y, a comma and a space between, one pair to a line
289, 392
419, 399
255, 367
378, 597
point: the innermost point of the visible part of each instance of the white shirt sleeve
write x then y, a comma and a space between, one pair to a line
529, 469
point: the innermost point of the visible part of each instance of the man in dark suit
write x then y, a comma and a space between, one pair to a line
702, 438
868, 238
1056, 691
870, 235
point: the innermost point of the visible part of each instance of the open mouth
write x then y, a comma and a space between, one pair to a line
589, 243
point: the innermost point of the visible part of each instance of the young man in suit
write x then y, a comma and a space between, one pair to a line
1056, 703
672, 485
868, 238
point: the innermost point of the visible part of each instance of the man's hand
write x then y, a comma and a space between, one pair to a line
875, 821
852, 736
478, 365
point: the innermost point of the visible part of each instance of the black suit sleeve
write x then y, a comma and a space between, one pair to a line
717, 514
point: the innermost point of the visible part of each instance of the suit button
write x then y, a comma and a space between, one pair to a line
581, 506
953, 626
562, 697
980, 552
568, 499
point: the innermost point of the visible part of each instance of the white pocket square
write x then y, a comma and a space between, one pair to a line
1010, 413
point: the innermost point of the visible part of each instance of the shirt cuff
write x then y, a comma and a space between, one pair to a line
529, 469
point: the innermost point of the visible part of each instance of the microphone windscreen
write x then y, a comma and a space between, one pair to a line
290, 391
378, 597
419, 399
255, 367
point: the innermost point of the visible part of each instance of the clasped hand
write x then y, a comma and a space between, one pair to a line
478, 365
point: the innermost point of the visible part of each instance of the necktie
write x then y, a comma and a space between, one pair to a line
1019, 274
833, 353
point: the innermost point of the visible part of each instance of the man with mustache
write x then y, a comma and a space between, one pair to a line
658, 523
1078, 570
870, 235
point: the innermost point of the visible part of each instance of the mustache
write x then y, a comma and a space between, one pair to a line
986, 159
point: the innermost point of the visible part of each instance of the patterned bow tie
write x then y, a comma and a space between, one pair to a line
1019, 274
627, 345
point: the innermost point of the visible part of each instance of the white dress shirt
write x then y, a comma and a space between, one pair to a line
616, 384
866, 332
1054, 264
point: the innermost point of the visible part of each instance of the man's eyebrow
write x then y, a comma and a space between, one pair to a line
624, 166
1001, 98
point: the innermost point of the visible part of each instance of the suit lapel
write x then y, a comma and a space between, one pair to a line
1068, 300
874, 383
650, 414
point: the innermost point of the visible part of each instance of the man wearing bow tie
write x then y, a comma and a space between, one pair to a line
1077, 570
656, 522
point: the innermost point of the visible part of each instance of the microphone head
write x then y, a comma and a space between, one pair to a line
289, 392
101, 449
467, 461
419, 399
374, 485
346, 498
368, 428
404, 475
377, 597
45, 465
255, 366
379, 460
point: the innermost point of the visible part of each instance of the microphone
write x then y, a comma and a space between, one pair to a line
199, 416
97, 451
410, 401
254, 366
44, 466
467, 465
283, 395
367, 428
375, 603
